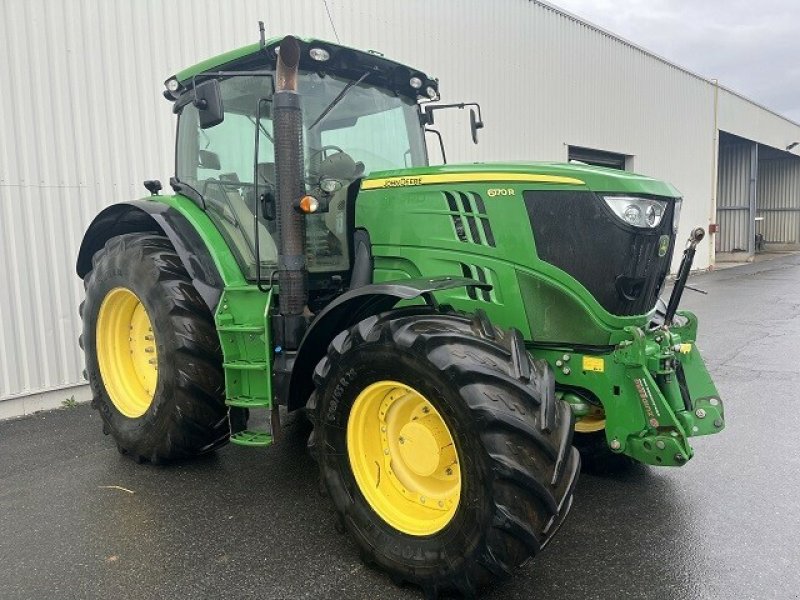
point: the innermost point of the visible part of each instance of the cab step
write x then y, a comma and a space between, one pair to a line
252, 438
248, 402
241, 328
246, 366
243, 325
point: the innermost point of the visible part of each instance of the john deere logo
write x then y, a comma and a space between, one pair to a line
663, 245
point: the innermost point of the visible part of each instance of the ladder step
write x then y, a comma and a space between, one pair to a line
249, 437
246, 366
248, 402
241, 328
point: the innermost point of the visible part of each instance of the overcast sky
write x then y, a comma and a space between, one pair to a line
751, 47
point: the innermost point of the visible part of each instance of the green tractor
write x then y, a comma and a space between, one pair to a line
450, 331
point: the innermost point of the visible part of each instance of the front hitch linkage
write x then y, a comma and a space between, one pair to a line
683, 274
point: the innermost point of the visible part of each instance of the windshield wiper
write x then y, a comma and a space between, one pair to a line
338, 99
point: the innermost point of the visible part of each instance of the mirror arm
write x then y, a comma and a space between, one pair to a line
438, 134
426, 116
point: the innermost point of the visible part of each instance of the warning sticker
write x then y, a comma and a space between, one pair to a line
594, 363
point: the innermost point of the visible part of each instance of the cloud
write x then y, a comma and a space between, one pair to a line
750, 47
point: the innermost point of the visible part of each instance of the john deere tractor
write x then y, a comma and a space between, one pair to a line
446, 329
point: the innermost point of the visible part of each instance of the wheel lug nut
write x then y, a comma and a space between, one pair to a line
386, 452
448, 471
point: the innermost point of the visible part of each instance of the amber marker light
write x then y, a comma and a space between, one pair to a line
308, 204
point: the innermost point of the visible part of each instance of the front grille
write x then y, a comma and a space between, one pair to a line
619, 264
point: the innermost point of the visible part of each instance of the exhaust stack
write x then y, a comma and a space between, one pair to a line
287, 119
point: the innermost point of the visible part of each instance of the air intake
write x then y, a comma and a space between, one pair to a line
481, 274
468, 213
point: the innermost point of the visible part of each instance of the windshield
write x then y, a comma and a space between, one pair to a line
373, 126
350, 131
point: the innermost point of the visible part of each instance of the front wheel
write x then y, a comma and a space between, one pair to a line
443, 447
590, 440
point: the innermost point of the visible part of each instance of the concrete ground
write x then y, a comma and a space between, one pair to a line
77, 520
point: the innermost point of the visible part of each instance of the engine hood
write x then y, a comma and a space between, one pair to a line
569, 175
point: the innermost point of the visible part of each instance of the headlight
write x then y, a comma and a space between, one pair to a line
676, 214
639, 212
319, 54
330, 186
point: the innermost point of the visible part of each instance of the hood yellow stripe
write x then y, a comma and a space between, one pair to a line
411, 180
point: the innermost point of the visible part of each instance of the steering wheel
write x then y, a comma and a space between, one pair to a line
324, 152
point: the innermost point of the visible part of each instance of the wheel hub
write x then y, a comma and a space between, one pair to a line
419, 448
594, 420
126, 352
403, 458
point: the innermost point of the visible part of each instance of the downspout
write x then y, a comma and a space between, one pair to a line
712, 218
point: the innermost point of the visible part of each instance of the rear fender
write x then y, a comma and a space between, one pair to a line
162, 219
350, 308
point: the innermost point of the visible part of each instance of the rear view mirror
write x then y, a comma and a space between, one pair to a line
208, 160
474, 124
208, 100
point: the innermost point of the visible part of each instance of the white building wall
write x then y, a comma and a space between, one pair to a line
740, 116
83, 122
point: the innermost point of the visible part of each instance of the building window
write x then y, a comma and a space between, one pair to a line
599, 158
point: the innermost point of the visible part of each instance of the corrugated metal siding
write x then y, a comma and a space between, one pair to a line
741, 117
779, 201
733, 211
83, 121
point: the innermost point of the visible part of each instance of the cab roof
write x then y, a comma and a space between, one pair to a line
343, 61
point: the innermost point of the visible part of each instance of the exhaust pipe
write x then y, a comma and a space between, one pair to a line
287, 120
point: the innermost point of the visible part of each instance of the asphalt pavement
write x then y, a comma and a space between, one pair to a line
77, 520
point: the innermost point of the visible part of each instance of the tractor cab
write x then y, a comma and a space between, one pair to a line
361, 114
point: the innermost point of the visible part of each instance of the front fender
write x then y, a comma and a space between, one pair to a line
162, 219
350, 308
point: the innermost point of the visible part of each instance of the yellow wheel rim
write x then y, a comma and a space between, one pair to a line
126, 352
403, 458
594, 421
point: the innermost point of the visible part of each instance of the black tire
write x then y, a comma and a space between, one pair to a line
188, 416
597, 458
513, 439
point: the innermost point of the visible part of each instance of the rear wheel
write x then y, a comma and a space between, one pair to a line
443, 447
153, 359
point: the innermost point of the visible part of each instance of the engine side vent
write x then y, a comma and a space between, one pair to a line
468, 213
481, 274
